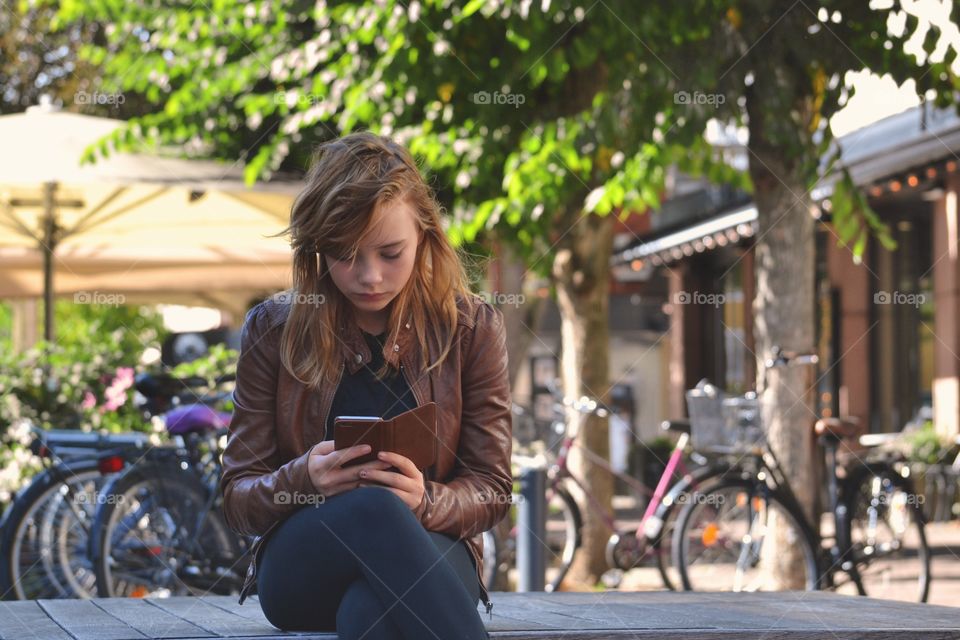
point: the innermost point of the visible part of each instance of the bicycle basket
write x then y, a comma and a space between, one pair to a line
742, 416
721, 423
708, 428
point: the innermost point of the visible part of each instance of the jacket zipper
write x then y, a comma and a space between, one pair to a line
251, 577
485, 596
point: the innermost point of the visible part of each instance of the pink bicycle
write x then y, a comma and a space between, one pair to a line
631, 544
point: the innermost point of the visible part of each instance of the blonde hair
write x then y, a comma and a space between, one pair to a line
350, 178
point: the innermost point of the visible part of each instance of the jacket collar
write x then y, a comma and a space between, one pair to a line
357, 351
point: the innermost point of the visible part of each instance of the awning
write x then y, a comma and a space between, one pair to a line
131, 226
718, 231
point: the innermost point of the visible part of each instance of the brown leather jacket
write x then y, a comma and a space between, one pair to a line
277, 420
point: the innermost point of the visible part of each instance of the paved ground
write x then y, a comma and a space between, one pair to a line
515, 616
943, 538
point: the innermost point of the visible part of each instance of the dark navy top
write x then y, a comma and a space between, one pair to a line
361, 394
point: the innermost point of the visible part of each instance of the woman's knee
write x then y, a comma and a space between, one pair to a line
362, 615
373, 505
360, 507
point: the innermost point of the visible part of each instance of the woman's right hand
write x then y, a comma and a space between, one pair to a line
326, 473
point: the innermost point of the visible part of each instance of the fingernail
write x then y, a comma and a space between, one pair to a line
382, 454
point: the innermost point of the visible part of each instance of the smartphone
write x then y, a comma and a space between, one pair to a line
412, 434
350, 431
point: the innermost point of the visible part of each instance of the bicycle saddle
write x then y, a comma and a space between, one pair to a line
193, 418
840, 428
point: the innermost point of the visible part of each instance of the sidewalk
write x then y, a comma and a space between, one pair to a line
942, 537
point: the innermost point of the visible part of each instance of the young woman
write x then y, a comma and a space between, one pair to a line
379, 320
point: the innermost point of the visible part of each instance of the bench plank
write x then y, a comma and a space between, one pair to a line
28, 621
151, 621
517, 616
85, 621
202, 613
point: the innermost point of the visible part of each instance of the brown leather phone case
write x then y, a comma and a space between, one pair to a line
412, 434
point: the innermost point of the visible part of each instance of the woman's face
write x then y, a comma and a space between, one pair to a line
383, 264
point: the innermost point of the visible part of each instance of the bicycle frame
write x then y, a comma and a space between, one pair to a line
560, 471
762, 467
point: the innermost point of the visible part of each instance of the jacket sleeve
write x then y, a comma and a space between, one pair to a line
257, 485
478, 494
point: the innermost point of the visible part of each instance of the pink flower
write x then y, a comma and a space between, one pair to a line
114, 397
124, 378
89, 401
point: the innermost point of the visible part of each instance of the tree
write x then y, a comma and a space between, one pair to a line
39, 56
782, 72
539, 122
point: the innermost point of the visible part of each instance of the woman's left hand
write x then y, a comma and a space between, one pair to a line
407, 483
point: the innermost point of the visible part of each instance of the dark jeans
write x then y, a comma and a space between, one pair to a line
363, 565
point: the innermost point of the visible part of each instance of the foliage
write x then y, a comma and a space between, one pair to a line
37, 60
853, 218
82, 381
528, 116
929, 447
219, 361
529, 113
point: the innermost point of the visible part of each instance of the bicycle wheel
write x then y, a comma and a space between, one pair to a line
885, 536
45, 535
659, 529
153, 537
563, 530
736, 535
563, 538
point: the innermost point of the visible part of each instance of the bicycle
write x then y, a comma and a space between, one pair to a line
628, 546
159, 530
44, 532
746, 530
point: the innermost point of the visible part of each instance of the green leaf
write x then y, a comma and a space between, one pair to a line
472, 7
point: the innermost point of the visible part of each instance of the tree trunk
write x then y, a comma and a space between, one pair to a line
582, 274
784, 316
522, 320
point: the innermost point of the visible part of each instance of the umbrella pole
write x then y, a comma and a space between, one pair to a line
49, 242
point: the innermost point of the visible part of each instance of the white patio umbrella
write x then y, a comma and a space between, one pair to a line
137, 226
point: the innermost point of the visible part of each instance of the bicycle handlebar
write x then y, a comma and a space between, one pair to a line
583, 404
783, 358
678, 426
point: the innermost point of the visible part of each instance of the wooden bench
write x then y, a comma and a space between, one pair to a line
573, 616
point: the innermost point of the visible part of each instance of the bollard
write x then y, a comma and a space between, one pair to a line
531, 530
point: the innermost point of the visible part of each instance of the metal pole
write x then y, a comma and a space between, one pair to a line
531, 568
49, 244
